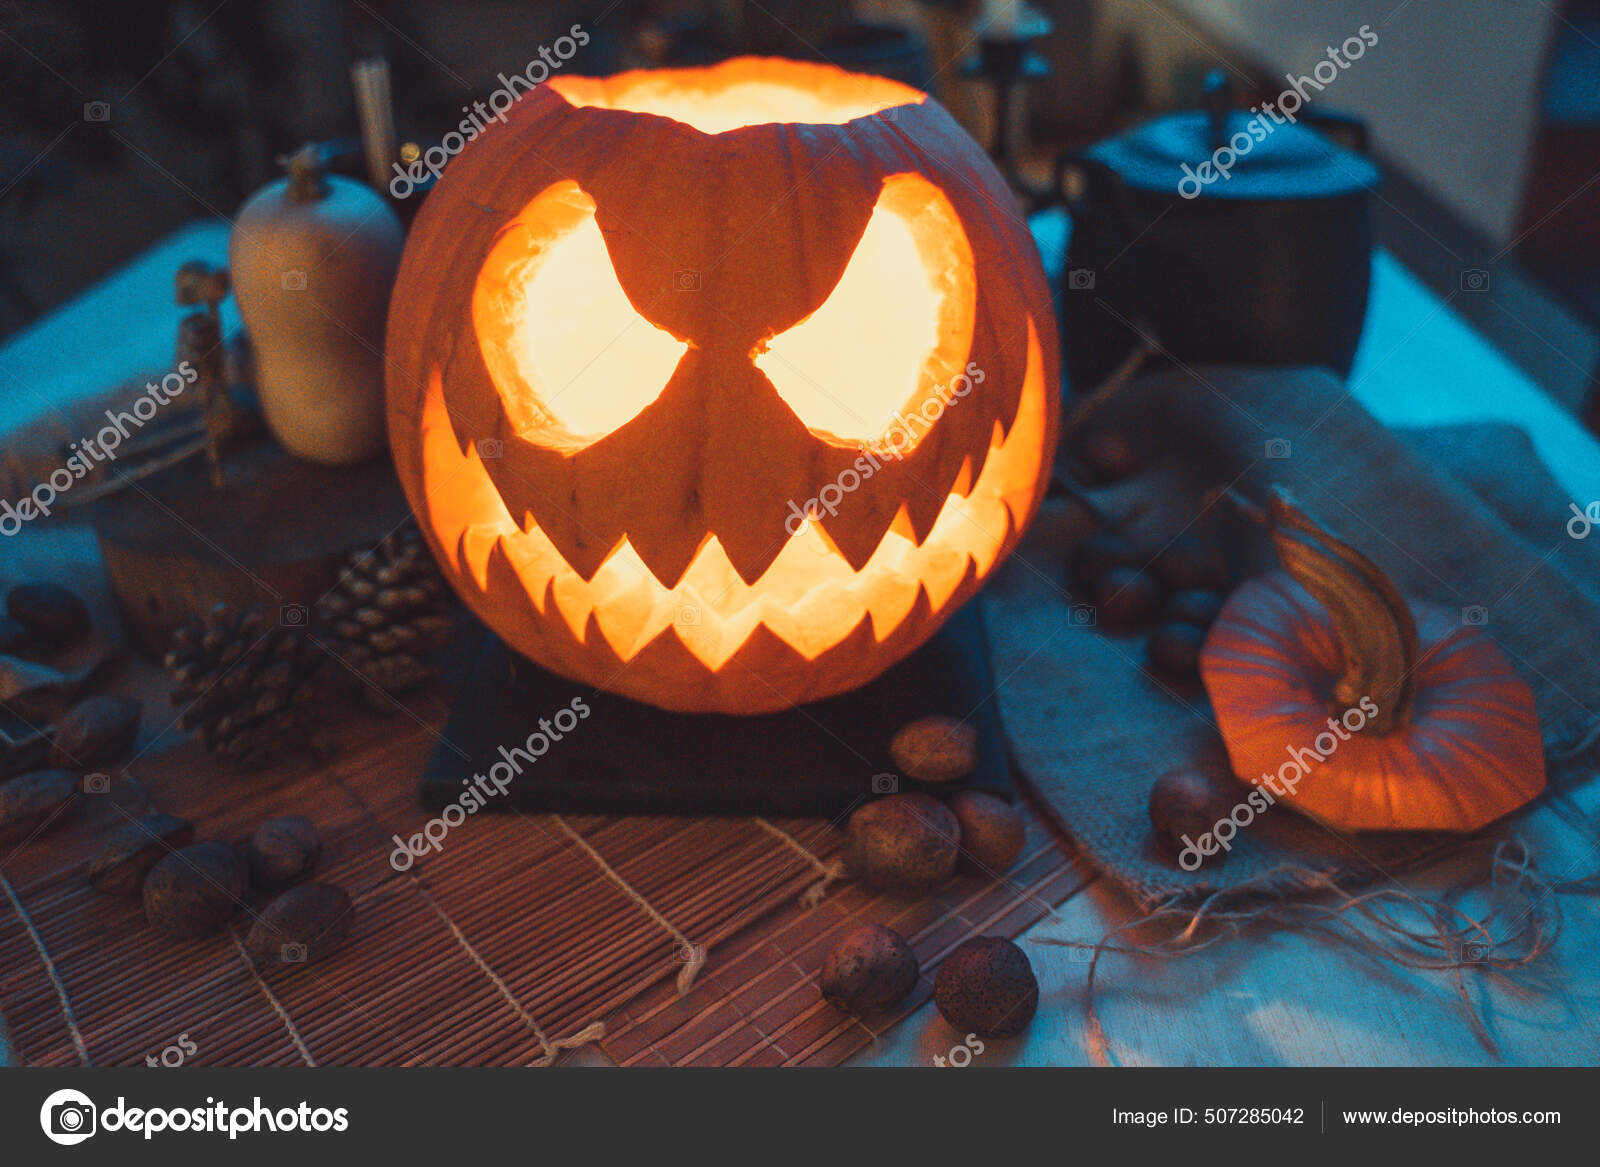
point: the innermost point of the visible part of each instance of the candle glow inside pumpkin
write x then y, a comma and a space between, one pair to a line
871, 320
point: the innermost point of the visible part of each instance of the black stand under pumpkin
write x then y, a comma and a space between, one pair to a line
627, 758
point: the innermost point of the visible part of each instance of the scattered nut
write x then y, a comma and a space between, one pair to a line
1076, 520
1126, 598
132, 849
198, 282
935, 749
94, 731
986, 986
1099, 554
1190, 563
904, 843
1107, 457
28, 801
51, 612
282, 850
1174, 651
1186, 803
304, 924
192, 892
992, 832
1195, 606
13, 636
870, 968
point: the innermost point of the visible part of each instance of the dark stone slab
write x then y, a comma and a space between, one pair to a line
629, 758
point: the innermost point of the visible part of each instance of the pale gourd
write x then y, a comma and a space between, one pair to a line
314, 257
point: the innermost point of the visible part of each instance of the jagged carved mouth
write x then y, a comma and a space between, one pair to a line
809, 596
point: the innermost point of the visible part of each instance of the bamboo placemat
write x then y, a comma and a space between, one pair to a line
511, 941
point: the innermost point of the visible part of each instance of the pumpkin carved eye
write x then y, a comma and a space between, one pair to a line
574, 357
896, 327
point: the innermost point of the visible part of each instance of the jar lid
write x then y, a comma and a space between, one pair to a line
1239, 155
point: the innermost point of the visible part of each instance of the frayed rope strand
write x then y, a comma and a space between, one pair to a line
1518, 925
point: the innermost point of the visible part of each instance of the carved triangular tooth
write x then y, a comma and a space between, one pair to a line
668, 559
584, 551
513, 621
768, 665
664, 660
924, 502
859, 533
969, 582
965, 477
928, 499
594, 641
751, 551
458, 553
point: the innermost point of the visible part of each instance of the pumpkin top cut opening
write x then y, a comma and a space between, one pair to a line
746, 91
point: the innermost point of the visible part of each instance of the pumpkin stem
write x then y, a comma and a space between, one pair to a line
1372, 620
307, 175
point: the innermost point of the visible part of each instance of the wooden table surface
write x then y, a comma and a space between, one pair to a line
1277, 998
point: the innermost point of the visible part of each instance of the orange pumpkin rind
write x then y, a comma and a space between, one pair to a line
1447, 737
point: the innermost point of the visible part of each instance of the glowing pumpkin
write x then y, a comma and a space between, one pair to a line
721, 388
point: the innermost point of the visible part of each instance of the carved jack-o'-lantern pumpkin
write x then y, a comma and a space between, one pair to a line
721, 388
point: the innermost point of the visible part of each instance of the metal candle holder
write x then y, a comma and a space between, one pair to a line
1006, 61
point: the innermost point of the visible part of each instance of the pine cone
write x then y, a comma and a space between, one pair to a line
243, 680
388, 611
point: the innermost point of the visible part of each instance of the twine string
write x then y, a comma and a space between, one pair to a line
272, 999
593, 1032
832, 872
693, 955
50, 971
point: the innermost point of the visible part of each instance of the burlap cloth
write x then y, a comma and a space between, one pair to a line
1465, 516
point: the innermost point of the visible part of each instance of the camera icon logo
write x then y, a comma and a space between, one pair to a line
1080, 279
293, 615
294, 281
687, 280
885, 783
292, 954
685, 953
97, 783
68, 1117
686, 614
1474, 952
489, 448
97, 111
1474, 279
1082, 616
1475, 616
1277, 449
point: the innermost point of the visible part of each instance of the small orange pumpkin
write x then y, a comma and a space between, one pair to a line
666, 360
1396, 714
